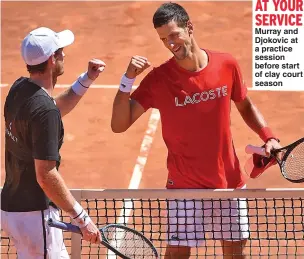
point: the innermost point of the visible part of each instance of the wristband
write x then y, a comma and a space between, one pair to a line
81, 85
126, 84
82, 218
266, 134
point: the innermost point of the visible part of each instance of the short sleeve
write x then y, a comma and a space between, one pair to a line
143, 94
45, 129
239, 89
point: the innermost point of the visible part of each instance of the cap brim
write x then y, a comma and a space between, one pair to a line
257, 165
66, 38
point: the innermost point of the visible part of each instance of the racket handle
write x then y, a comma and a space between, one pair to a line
64, 226
250, 149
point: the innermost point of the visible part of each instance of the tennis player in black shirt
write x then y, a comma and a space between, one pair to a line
33, 189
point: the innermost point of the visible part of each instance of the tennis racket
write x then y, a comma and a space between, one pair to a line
289, 158
123, 241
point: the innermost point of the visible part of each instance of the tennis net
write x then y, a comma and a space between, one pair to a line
273, 219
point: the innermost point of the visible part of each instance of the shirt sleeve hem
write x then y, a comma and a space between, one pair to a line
242, 97
49, 158
145, 106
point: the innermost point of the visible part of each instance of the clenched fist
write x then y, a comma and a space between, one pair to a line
136, 66
95, 67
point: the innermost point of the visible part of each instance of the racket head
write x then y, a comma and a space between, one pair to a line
292, 161
127, 242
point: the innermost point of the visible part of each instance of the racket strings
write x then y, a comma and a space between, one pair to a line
129, 243
293, 168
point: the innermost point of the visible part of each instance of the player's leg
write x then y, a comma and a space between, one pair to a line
31, 236
231, 218
234, 249
26, 230
54, 240
184, 229
177, 252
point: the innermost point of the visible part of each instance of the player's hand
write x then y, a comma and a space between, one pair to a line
270, 145
91, 233
95, 67
136, 66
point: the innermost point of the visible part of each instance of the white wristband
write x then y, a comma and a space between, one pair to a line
126, 84
81, 85
82, 218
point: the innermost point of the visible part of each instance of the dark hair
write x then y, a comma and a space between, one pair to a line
40, 68
168, 12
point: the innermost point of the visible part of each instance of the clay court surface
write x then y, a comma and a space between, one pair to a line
93, 156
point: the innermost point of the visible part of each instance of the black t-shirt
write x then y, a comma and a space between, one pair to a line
34, 130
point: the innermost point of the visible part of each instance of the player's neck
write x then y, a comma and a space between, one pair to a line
44, 80
196, 60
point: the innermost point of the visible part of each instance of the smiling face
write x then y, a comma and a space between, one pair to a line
176, 39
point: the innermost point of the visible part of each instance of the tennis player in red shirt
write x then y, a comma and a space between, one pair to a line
193, 92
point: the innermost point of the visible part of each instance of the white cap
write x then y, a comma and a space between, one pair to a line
41, 43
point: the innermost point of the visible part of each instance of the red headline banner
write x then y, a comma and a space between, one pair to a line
286, 19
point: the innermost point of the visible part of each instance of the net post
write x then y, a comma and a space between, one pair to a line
76, 238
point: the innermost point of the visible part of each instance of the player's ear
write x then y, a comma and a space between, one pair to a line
190, 27
52, 59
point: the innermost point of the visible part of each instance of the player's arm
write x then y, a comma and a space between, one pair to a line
54, 186
67, 100
251, 115
249, 112
255, 120
45, 128
125, 110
